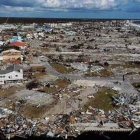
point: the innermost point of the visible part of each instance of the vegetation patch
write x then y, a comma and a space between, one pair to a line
102, 73
38, 75
58, 84
5, 93
31, 111
61, 68
136, 84
123, 66
62, 83
102, 100
38, 68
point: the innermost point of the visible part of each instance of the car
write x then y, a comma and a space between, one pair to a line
42, 56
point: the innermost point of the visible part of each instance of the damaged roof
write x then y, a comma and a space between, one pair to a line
11, 68
14, 67
18, 44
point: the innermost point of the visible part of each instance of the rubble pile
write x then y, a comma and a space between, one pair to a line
51, 74
127, 116
18, 125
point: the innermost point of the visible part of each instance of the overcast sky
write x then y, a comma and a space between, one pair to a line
71, 8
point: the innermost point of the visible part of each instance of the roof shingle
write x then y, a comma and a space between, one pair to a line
17, 44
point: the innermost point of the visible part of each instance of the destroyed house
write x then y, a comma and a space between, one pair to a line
16, 38
11, 74
1, 43
11, 55
17, 45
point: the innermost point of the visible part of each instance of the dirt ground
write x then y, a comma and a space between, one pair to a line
31, 111
61, 68
102, 99
10, 91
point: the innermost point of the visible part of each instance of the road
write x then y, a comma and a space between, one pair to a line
107, 127
92, 54
52, 71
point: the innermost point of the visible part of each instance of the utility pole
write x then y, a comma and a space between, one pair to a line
89, 67
123, 77
2, 36
7, 19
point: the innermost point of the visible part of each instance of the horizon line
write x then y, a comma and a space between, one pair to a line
76, 18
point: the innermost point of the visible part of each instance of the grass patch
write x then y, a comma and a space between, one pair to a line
101, 73
120, 57
102, 99
38, 68
38, 75
45, 50
115, 65
61, 68
8, 92
136, 84
123, 66
10, 104
39, 71
61, 83
105, 73
31, 111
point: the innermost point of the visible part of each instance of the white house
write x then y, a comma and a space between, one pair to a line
29, 36
1, 43
12, 73
70, 33
16, 38
7, 26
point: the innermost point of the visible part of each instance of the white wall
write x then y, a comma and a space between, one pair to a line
12, 76
1, 82
1, 58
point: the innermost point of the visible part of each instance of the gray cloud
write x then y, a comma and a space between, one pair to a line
40, 5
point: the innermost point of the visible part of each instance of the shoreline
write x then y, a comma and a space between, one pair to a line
132, 24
